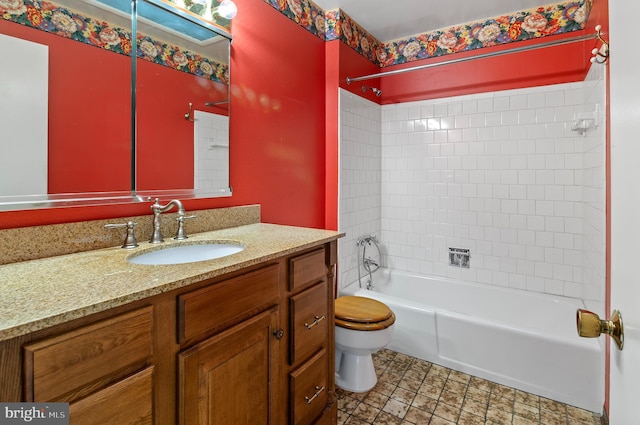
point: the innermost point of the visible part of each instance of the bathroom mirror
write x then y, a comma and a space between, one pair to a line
66, 110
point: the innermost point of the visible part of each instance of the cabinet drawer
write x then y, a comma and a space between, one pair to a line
309, 322
308, 389
307, 269
128, 402
66, 367
225, 302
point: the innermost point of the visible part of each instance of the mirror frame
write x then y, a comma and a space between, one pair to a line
38, 201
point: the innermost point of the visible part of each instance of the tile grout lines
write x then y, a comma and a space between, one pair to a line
413, 391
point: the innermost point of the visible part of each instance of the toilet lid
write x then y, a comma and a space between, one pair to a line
361, 310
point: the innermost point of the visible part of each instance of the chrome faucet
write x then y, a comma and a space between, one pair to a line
156, 236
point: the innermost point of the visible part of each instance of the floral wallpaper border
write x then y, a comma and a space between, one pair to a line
524, 25
528, 24
305, 13
327, 25
52, 18
356, 37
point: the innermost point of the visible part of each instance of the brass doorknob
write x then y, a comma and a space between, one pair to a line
590, 326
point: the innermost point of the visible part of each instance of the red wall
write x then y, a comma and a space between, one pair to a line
353, 65
278, 116
284, 114
332, 152
544, 66
277, 127
164, 137
551, 65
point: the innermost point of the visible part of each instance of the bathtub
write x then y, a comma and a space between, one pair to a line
516, 338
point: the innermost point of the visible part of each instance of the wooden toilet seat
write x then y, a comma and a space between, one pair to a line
362, 314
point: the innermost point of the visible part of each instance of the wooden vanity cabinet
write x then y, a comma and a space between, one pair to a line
269, 367
251, 347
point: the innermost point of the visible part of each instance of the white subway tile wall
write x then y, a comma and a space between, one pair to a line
500, 173
593, 243
211, 135
360, 178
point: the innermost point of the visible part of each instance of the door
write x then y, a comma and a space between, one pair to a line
24, 89
228, 379
625, 209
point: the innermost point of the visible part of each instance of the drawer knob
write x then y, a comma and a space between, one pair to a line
313, 397
278, 333
316, 320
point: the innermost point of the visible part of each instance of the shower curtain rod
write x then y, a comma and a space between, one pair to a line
480, 56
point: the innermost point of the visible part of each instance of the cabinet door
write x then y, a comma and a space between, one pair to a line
229, 378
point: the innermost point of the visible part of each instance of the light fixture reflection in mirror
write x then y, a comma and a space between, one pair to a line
227, 9
210, 10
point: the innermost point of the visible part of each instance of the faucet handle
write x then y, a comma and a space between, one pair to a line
182, 234
130, 239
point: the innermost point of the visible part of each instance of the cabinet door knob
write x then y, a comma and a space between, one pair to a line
278, 333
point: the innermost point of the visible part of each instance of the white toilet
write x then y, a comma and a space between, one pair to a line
363, 326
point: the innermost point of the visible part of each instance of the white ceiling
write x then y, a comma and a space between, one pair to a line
391, 19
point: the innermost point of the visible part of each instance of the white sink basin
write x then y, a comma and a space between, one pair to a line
186, 253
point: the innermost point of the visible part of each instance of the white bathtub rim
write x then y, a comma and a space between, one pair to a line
385, 272
573, 302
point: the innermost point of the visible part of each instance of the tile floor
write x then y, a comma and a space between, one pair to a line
414, 391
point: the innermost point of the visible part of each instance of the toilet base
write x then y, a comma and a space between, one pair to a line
355, 373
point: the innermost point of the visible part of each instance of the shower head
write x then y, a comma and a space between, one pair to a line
377, 91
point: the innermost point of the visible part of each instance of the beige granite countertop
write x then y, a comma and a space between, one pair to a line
41, 293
